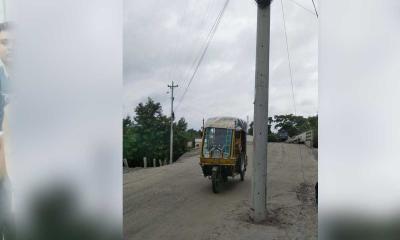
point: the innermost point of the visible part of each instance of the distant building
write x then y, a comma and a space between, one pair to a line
304, 138
197, 143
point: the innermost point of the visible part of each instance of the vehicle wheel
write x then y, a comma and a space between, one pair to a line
242, 170
225, 178
215, 182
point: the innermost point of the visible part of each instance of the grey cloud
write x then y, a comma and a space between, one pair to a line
161, 43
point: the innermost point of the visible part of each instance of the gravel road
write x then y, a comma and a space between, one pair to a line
177, 202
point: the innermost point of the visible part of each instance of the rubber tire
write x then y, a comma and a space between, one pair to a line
224, 178
242, 170
215, 182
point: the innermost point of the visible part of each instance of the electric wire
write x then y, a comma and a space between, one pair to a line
288, 57
294, 106
183, 79
308, 10
198, 55
209, 38
199, 59
316, 13
174, 71
187, 57
292, 88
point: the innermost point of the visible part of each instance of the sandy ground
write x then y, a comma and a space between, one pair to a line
177, 202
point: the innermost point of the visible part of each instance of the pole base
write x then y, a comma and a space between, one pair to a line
257, 218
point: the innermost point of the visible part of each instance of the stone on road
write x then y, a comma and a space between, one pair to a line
176, 201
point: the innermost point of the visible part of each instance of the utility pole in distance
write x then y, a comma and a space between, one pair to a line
259, 181
171, 144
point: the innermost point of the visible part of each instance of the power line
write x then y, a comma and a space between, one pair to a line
291, 83
195, 60
175, 69
308, 10
288, 57
183, 79
316, 13
201, 57
209, 38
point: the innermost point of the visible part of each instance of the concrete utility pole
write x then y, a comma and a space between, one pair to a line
171, 144
259, 183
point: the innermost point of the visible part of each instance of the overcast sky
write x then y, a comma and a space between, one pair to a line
163, 38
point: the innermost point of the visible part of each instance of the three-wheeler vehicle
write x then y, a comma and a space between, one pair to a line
223, 150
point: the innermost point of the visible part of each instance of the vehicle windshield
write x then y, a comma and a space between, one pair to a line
217, 142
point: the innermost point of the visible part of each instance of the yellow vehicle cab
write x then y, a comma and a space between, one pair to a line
223, 152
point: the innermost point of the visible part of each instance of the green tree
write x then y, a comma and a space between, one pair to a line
151, 127
129, 138
180, 138
192, 134
148, 135
295, 125
271, 136
292, 124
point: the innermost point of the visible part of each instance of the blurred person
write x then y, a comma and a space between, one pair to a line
6, 227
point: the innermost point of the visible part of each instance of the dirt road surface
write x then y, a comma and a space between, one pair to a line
177, 202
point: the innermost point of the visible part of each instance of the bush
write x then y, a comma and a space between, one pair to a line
148, 135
